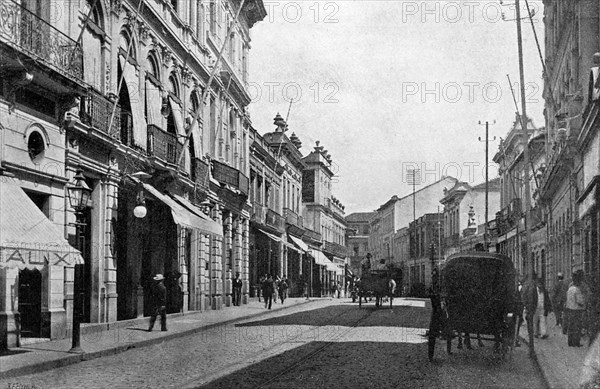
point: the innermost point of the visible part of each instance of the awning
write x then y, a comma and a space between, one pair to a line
274, 237
321, 259
181, 215
215, 227
28, 239
298, 243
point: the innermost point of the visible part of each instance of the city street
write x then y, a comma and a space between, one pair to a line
326, 343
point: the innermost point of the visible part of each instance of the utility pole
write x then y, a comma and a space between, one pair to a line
487, 180
413, 175
527, 199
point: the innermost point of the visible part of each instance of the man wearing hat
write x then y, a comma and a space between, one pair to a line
559, 298
159, 302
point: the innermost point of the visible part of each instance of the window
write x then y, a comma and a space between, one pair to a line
199, 20
126, 47
36, 146
174, 4
93, 39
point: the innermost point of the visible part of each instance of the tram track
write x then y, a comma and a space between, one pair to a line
277, 348
326, 344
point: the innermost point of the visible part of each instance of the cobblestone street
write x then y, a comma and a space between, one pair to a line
329, 343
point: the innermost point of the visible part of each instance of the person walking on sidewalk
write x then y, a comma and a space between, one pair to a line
541, 312
237, 289
559, 297
283, 288
158, 299
267, 289
574, 308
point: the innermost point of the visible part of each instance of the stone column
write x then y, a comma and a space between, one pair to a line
9, 315
110, 265
183, 280
216, 283
227, 260
245, 263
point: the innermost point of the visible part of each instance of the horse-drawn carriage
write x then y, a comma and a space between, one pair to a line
377, 283
478, 296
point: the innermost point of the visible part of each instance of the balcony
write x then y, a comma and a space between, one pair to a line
27, 32
275, 220
199, 173
312, 235
335, 249
163, 145
292, 218
259, 213
226, 174
508, 217
96, 111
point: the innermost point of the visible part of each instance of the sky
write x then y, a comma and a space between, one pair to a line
387, 86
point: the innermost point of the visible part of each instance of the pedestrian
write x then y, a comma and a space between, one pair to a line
574, 309
333, 289
339, 289
276, 281
261, 280
158, 298
559, 297
283, 288
529, 297
518, 309
237, 289
267, 290
541, 311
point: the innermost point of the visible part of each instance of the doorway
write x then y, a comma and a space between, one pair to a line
30, 302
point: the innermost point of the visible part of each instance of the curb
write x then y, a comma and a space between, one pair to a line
76, 358
536, 363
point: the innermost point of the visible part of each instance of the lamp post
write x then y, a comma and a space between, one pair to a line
80, 198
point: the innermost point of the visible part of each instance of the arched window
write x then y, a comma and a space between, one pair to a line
195, 103
173, 85
93, 39
126, 47
152, 67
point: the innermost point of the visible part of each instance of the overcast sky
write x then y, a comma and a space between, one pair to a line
386, 85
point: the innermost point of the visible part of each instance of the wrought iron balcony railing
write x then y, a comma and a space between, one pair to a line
292, 218
259, 213
231, 176
126, 126
96, 111
275, 220
163, 145
29, 33
335, 249
200, 173
310, 234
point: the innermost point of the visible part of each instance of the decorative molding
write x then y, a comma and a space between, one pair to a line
144, 31
116, 6
186, 75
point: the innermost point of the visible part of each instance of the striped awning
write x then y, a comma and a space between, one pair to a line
28, 239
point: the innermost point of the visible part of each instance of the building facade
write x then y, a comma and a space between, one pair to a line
324, 214
357, 241
426, 234
129, 114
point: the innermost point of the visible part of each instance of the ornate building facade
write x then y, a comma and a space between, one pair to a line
131, 94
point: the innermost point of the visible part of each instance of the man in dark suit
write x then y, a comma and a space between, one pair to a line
159, 302
237, 289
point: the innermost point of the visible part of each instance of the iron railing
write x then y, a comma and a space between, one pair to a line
163, 144
310, 234
231, 176
96, 111
259, 213
292, 218
28, 32
200, 173
335, 249
275, 220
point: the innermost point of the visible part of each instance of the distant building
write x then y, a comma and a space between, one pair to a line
357, 242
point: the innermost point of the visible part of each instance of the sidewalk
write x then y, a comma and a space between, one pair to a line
98, 340
560, 364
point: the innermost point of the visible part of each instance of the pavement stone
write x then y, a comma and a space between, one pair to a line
111, 338
560, 365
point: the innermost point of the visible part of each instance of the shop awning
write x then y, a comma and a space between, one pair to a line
28, 239
274, 237
215, 227
182, 215
298, 243
321, 259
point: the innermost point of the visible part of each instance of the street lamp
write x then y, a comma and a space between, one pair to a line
80, 199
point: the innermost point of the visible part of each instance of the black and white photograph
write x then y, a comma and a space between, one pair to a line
299, 194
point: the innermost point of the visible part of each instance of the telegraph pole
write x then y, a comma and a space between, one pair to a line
487, 180
525, 138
